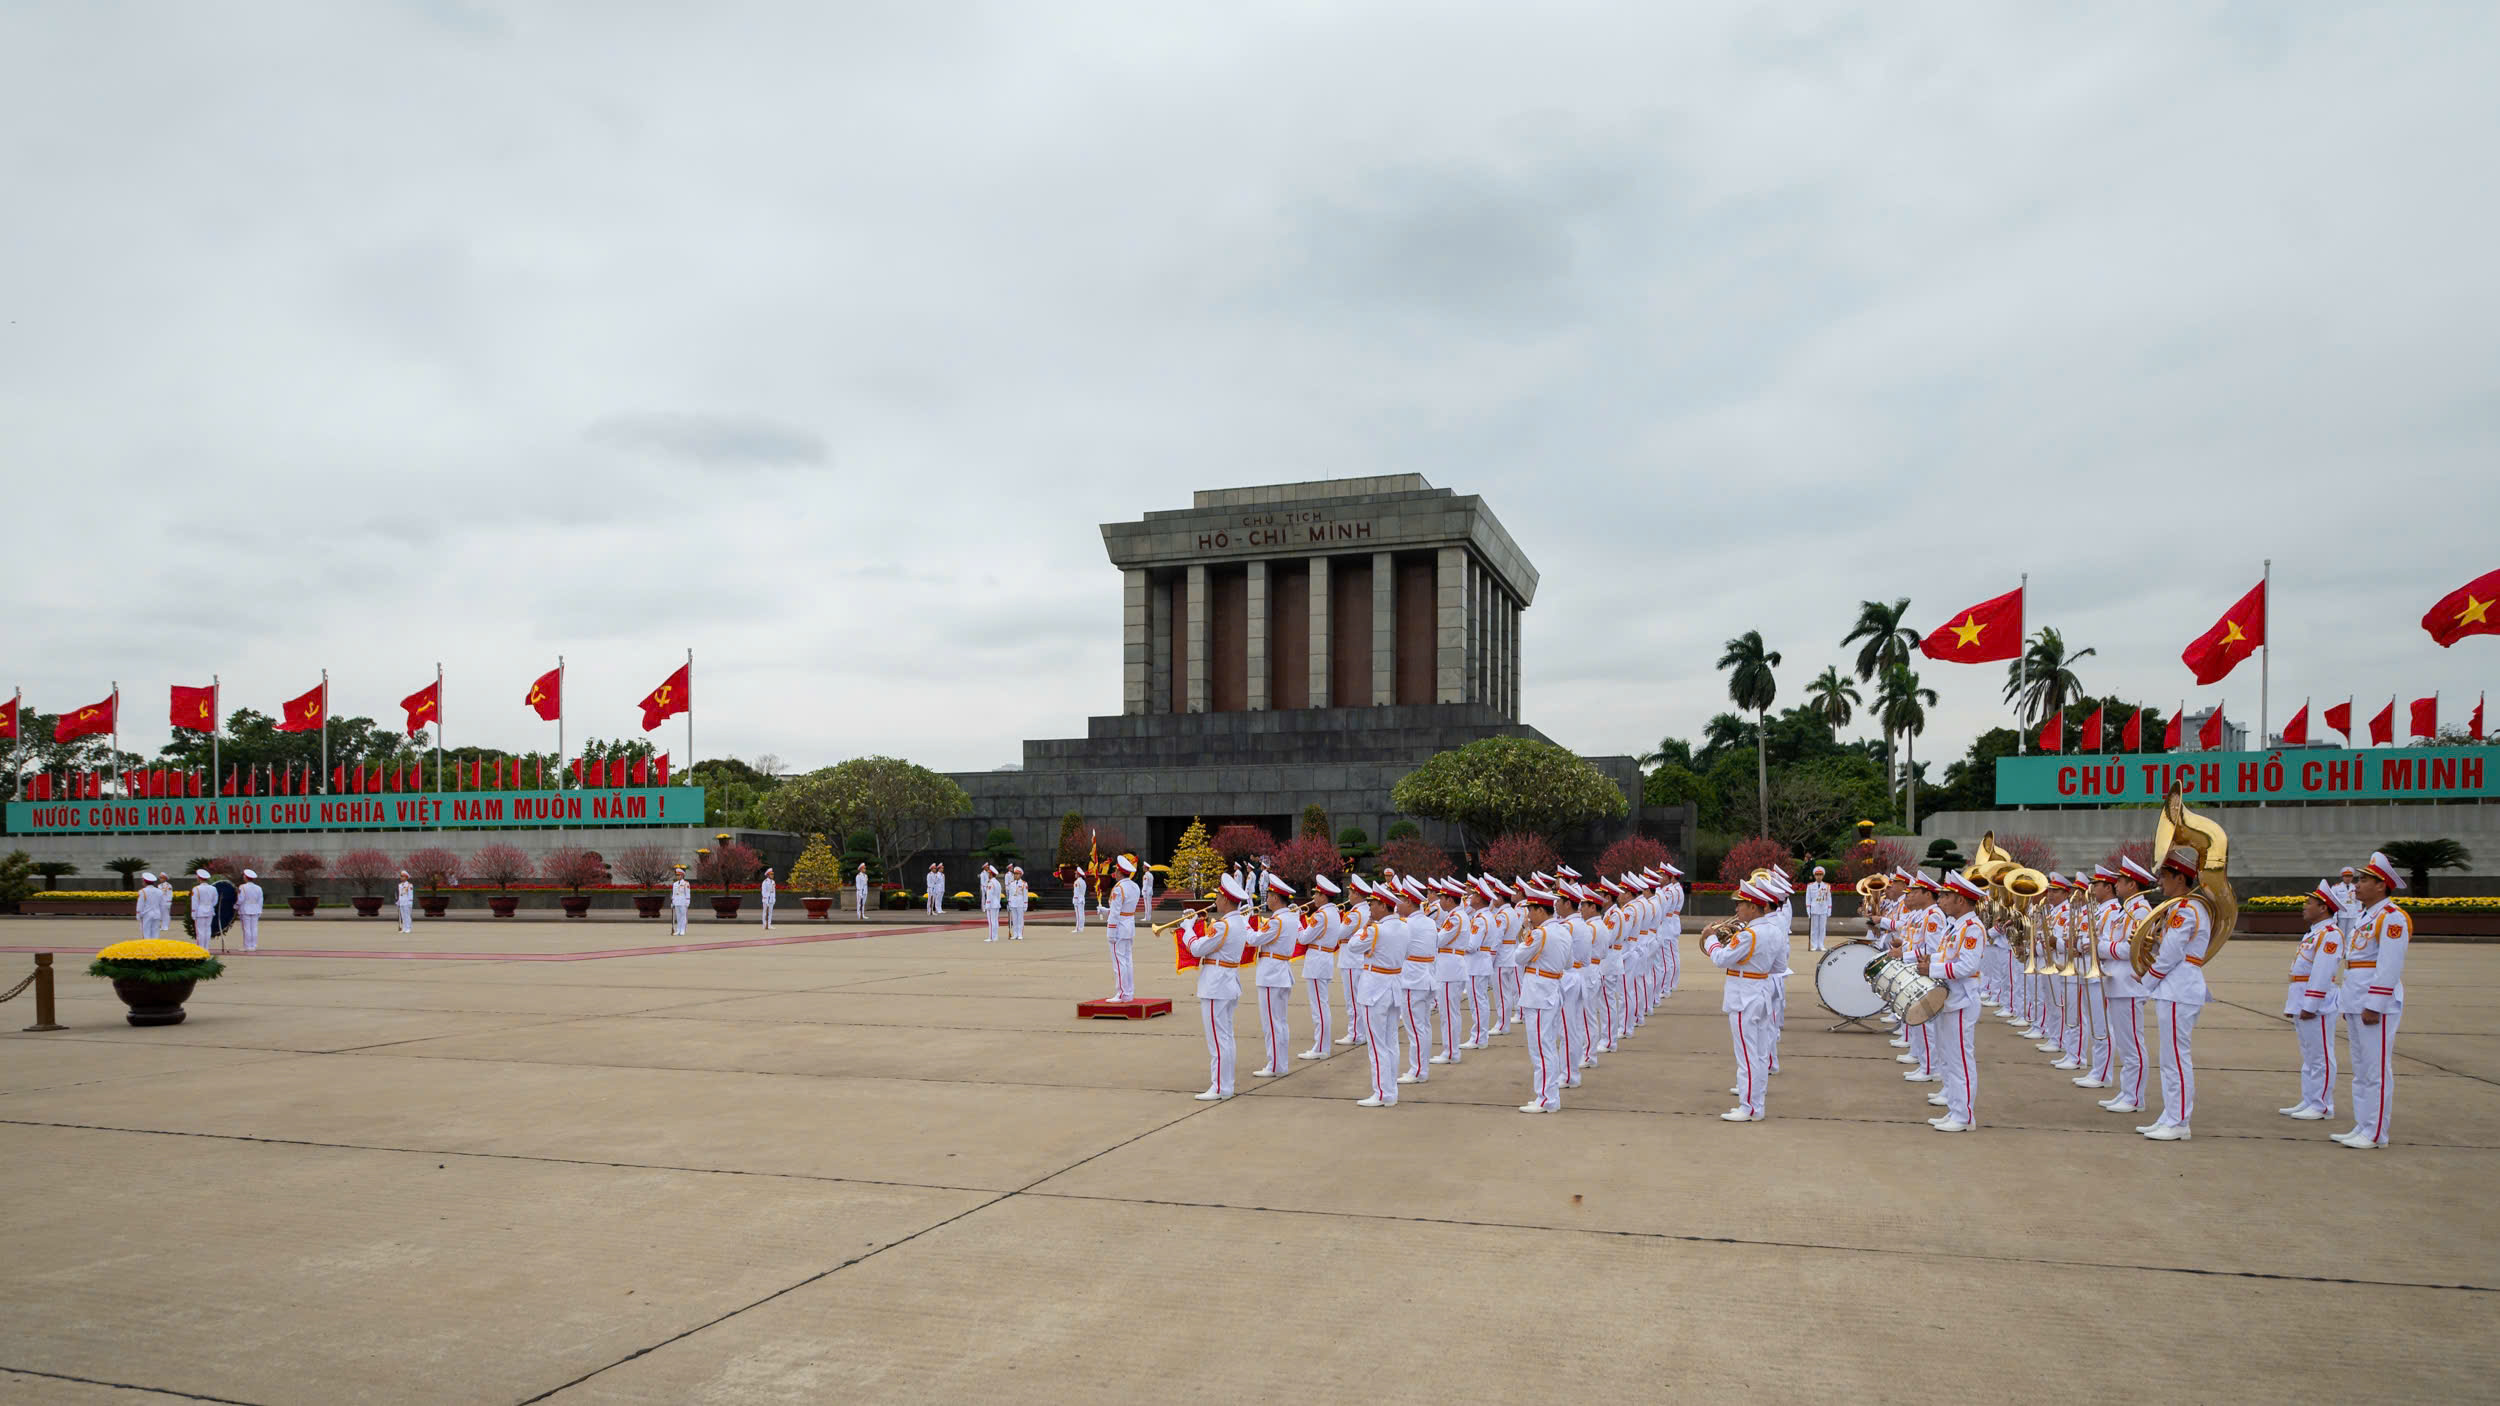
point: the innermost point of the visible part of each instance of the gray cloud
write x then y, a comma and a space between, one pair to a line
717, 441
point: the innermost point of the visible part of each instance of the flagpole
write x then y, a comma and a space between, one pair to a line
325, 732
216, 711
690, 708
2265, 655
2022, 662
438, 737
117, 723
560, 722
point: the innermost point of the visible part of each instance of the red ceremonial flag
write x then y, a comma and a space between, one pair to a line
2475, 728
90, 721
197, 781
304, 713
676, 695
2467, 610
2053, 733
2233, 638
2339, 717
424, 706
642, 771
391, 778
194, 709
230, 782
154, 786
8, 720
1987, 631
2092, 729
659, 773
416, 776
599, 773
547, 695
538, 773
2171, 734
40, 788
338, 780
2383, 727
516, 773
2296, 732
573, 769
2209, 737
2426, 716
2132, 739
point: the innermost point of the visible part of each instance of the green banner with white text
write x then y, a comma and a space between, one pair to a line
453, 810
2288, 774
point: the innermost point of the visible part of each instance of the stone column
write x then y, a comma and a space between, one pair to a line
1511, 612
1159, 647
1254, 639
1384, 630
1449, 652
1133, 641
1197, 662
1320, 640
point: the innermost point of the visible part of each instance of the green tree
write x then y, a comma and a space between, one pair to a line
1675, 785
899, 804
1315, 821
2043, 681
53, 871
1672, 751
1886, 646
1072, 847
1833, 698
17, 874
999, 847
1971, 783
818, 873
1752, 686
127, 866
2419, 857
1724, 733
1495, 785
1903, 706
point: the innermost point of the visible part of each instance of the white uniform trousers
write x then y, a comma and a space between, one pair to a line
1321, 1013
1592, 1001
990, 911
149, 927
937, 896
2317, 1060
1015, 924
1574, 1029
1122, 934
251, 931
1379, 1015
859, 903
1358, 1020
408, 917
2373, 1076
1923, 1044
2174, 1027
1817, 925
1080, 912
1217, 1012
1749, 1030
768, 912
1675, 958
677, 912
2096, 1015
2126, 1041
1545, 1054
1956, 1063
1276, 1024
2077, 1037
1505, 997
1452, 1010
1415, 1015
1480, 1007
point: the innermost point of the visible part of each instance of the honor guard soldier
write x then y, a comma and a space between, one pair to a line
248, 902
680, 898
859, 893
2313, 1001
204, 908
2374, 1000
1019, 898
1120, 929
1818, 911
1544, 956
2177, 986
1221, 944
765, 892
1744, 949
934, 881
989, 899
2122, 990
1077, 898
1275, 935
151, 921
1326, 933
407, 901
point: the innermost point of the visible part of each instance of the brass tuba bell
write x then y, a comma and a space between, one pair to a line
2178, 827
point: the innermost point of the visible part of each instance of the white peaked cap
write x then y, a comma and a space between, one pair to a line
203, 873
1325, 885
251, 874
2385, 870
1277, 885
147, 878
1231, 888
1127, 865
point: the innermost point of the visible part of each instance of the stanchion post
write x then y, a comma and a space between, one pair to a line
43, 994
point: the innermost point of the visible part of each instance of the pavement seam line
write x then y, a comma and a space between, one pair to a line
127, 1386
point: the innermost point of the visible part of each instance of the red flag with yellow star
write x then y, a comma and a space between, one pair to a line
2233, 638
2470, 609
1988, 631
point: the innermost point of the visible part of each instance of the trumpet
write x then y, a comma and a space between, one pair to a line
1161, 928
1720, 929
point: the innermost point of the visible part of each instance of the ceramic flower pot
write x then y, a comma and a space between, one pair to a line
647, 905
435, 904
367, 905
503, 907
817, 908
725, 908
153, 1002
577, 905
302, 906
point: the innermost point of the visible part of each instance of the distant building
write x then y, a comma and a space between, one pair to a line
2234, 736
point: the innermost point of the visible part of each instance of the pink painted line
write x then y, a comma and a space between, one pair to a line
601, 955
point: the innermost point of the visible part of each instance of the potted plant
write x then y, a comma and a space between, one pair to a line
53, 871
154, 976
432, 868
817, 872
729, 865
645, 865
572, 868
299, 868
367, 869
500, 866
17, 879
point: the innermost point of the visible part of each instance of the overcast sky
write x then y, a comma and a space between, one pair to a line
819, 337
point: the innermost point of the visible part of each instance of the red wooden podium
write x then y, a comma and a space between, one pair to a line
1137, 1008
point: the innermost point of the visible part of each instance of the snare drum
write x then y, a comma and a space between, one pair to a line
1840, 982
1912, 998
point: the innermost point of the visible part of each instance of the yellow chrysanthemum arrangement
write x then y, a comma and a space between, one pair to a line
155, 959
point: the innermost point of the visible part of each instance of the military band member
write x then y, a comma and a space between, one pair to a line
1221, 944
2347, 901
2374, 1000
2176, 984
1449, 969
1415, 987
1956, 962
1745, 952
1120, 930
1543, 958
2074, 1034
1353, 960
1319, 964
2097, 899
1511, 920
406, 898
1274, 937
2125, 993
1483, 941
1386, 945
2313, 1001
248, 902
1818, 910
765, 892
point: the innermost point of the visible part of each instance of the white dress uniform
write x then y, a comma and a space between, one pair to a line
2125, 994
989, 901
150, 922
2313, 1001
1326, 933
1353, 956
1818, 914
1415, 991
1120, 929
2177, 986
1483, 936
1544, 958
859, 893
1449, 977
1146, 891
680, 898
1508, 920
1748, 957
203, 908
248, 902
935, 882
164, 903
1019, 898
765, 893
1275, 935
2374, 982
1080, 900
1220, 945
407, 901
1674, 935
1577, 1034
1383, 992
1961, 949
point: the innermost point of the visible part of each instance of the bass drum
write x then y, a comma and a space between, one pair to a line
1840, 982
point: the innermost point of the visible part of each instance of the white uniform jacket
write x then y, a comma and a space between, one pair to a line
1221, 945
2178, 972
1749, 956
2374, 961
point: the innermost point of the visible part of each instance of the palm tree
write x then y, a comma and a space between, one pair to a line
1888, 645
2042, 681
1751, 686
1902, 707
1832, 695
1672, 751
2420, 857
1723, 733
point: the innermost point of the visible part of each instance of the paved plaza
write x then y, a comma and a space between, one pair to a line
884, 1163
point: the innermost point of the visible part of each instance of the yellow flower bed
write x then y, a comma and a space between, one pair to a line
2290, 903
153, 949
123, 894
